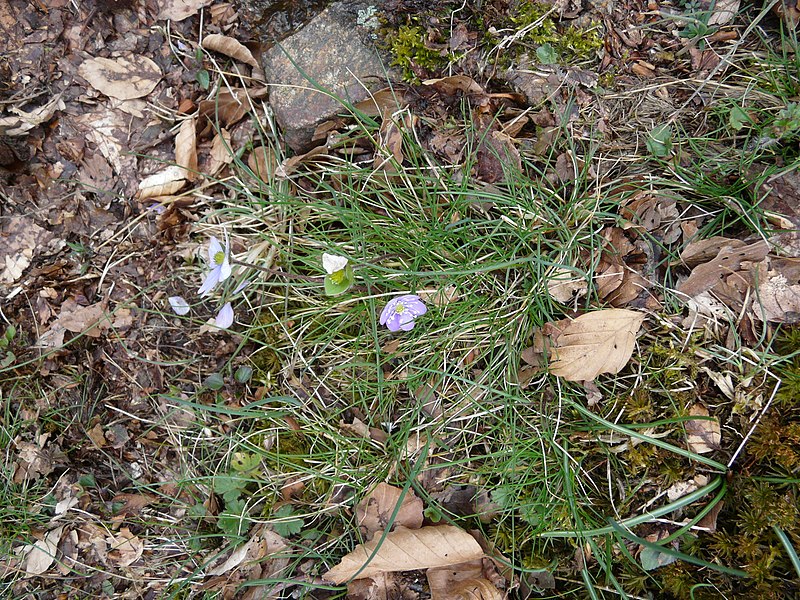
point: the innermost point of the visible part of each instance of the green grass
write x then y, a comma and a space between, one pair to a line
582, 493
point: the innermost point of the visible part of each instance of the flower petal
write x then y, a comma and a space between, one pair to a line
332, 263
224, 318
212, 279
179, 305
214, 248
389, 311
224, 269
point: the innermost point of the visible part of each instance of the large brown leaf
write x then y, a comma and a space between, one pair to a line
407, 550
595, 343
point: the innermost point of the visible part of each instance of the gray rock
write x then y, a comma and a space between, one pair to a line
332, 52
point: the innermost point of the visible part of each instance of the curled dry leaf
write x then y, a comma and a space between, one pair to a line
163, 183
374, 512
778, 290
42, 554
727, 261
122, 78
595, 343
702, 435
178, 10
186, 149
221, 153
464, 581
407, 550
125, 548
565, 285
229, 47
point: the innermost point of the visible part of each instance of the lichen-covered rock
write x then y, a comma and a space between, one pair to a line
333, 53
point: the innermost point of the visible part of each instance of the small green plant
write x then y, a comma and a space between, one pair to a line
5, 341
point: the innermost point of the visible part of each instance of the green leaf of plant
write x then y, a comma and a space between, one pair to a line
203, 78
214, 382
244, 462
546, 54
738, 117
659, 142
231, 521
653, 559
287, 526
225, 483
243, 374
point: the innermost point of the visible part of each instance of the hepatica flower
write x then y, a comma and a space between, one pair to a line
400, 312
224, 318
339, 275
219, 261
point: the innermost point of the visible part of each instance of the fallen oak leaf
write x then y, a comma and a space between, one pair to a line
594, 343
407, 550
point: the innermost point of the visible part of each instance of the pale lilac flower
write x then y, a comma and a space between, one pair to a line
179, 305
224, 318
219, 260
400, 312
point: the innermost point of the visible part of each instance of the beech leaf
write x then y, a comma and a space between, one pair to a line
186, 149
594, 343
407, 550
229, 47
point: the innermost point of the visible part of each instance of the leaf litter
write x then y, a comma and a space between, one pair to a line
752, 277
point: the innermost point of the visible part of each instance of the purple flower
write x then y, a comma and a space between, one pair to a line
220, 264
401, 312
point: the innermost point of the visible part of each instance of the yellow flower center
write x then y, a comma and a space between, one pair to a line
400, 308
219, 258
337, 277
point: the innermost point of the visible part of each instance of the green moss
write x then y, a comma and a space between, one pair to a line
570, 43
409, 51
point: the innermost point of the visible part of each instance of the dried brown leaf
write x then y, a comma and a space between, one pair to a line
125, 548
122, 78
178, 10
42, 554
464, 581
229, 47
221, 152
778, 292
702, 251
564, 286
386, 100
702, 435
407, 550
90, 320
729, 260
595, 343
164, 183
186, 149
374, 512
724, 11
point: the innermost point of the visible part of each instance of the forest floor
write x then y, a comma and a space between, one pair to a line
521, 325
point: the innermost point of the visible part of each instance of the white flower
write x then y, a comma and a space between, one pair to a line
179, 305
219, 260
332, 263
224, 318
